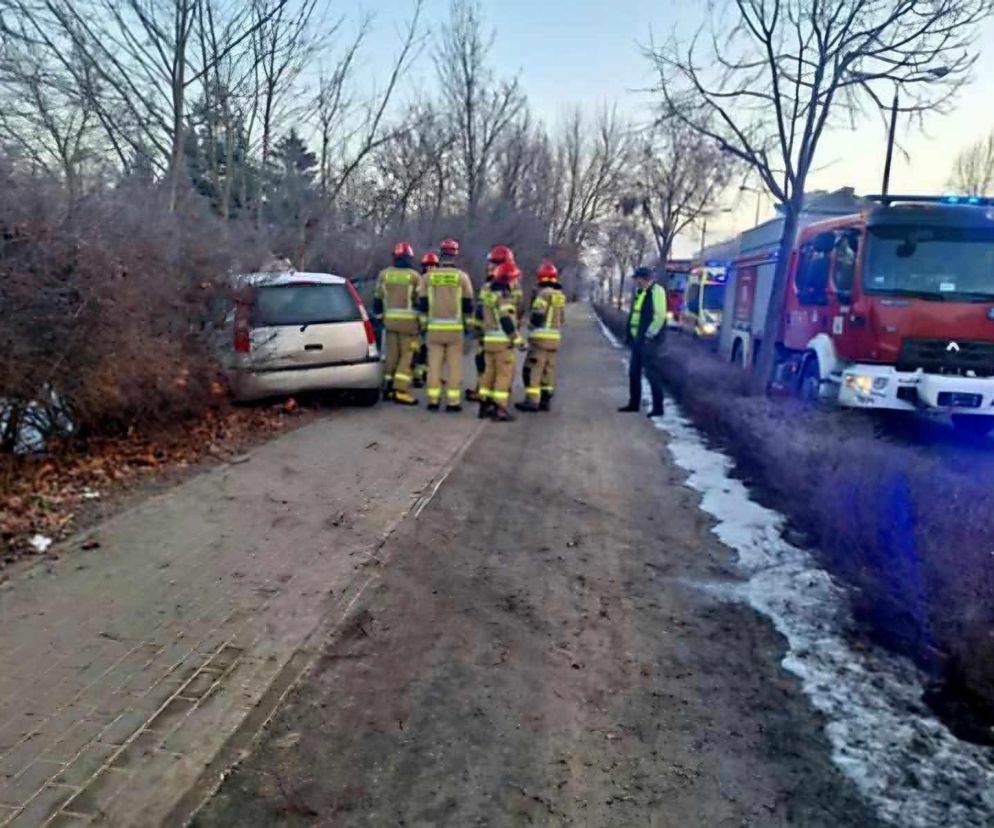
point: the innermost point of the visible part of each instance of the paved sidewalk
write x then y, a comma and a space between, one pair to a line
125, 670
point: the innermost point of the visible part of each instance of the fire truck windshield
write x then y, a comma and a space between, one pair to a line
930, 262
714, 297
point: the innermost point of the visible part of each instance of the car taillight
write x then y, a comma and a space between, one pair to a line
243, 341
366, 323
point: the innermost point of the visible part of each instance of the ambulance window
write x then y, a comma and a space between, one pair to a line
812, 276
846, 248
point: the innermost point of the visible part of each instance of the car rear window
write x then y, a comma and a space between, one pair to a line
299, 304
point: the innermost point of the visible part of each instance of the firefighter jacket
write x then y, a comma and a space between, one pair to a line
517, 294
445, 299
548, 314
497, 318
395, 299
648, 317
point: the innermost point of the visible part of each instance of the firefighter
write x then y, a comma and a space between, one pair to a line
428, 261
500, 338
498, 255
548, 312
444, 301
394, 303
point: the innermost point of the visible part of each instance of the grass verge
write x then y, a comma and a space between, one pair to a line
906, 531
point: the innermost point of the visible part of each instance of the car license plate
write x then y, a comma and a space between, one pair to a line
952, 399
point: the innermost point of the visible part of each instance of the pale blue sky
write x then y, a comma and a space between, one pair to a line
588, 52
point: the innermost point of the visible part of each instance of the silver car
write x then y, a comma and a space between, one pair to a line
285, 333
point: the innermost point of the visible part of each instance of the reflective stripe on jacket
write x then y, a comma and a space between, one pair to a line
499, 325
549, 310
444, 294
396, 291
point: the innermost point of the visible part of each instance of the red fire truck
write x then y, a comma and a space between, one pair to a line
890, 308
677, 276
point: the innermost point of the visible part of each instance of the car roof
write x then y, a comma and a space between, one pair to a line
287, 277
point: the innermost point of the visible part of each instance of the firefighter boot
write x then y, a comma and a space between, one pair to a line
404, 398
502, 415
472, 395
388, 390
527, 406
544, 404
486, 410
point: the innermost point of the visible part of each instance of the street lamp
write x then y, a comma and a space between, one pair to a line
927, 76
704, 227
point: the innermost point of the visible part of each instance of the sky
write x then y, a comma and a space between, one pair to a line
590, 53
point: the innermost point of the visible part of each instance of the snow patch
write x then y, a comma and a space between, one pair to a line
903, 760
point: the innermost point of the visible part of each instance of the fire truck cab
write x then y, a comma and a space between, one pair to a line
893, 308
677, 275
704, 300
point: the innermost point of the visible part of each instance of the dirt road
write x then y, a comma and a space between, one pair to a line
536, 649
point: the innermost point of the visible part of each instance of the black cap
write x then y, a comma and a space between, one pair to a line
644, 273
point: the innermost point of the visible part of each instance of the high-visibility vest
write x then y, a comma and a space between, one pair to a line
552, 304
397, 288
497, 305
658, 309
445, 290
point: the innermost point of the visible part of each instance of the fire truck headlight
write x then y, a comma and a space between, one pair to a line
859, 383
709, 328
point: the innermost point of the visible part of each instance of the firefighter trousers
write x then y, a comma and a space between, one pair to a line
498, 375
540, 373
444, 361
401, 348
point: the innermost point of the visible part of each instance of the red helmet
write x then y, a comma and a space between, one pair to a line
429, 259
402, 249
449, 247
547, 272
506, 273
500, 254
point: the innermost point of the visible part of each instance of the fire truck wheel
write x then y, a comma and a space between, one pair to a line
973, 425
809, 387
737, 354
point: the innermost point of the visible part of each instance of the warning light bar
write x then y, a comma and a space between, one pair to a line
967, 200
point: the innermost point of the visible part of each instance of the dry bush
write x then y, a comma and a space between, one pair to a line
101, 306
908, 527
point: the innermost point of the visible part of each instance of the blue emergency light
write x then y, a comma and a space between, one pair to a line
972, 201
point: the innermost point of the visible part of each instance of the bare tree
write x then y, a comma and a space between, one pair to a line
44, 114
136, 61
408, 165
676, 178
482, 106
765, 78
282, 42
625, 247
591, 166
333, 102
973, 169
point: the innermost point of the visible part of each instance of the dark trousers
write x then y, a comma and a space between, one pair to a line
643, 361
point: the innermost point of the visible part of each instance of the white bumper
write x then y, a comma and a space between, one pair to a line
884, 387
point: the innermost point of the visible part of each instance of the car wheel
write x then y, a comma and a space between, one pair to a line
973, 425
367, 397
